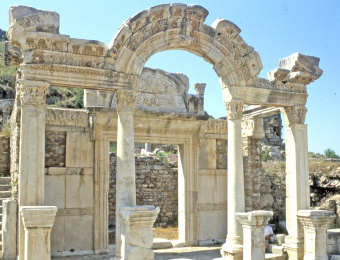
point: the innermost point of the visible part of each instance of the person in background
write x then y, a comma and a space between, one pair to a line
268, 232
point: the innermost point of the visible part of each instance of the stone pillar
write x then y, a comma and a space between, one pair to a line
125, 176
315, 224
297, 178
253, 224
137, 232
148, 147
9, 229
32, 96
232, 249
5, 113
38, 222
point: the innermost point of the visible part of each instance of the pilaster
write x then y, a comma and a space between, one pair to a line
125, 178
297, 178
232, 249
32, 96
38, 222
253, 224
315, 224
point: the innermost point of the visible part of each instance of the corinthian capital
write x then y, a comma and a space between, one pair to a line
126, 100
294, 114
32, 93
234, 109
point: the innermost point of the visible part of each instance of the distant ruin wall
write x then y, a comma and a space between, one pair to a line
4, 155
156, 184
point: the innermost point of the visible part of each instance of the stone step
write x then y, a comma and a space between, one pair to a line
5, 187
5, 180
333, 257
277, 250
5, 194
270, 248
270, 256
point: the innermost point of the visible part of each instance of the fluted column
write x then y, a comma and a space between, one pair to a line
125, 176
232, 249
32, 96
297, 178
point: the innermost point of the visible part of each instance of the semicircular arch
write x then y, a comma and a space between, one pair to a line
181, 27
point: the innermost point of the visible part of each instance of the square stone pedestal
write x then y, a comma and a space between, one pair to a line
137, 232
38, 222
315, 224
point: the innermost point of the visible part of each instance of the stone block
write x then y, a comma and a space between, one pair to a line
333, 241
208, 184
58, 234
280, 239
79, 191
55, 191
9, 229
79, 150
78, 233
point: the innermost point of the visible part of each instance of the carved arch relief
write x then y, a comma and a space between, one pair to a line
181, 27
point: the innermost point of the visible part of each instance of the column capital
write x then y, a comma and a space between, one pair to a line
313, 219
253, 127
38, 216
32, 93
234, 109
294, 114
126, 100
199, 88
254, 218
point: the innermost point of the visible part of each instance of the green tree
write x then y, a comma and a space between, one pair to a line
329, 153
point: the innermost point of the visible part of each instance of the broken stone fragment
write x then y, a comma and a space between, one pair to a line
297, 68
12, 55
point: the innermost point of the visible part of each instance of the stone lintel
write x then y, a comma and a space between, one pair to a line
38, 216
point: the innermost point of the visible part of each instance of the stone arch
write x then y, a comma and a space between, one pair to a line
181, 27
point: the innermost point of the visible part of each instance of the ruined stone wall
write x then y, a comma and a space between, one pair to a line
55, 149
273, 129
156, 184
221, 154
252, 173
4, 155
14, 148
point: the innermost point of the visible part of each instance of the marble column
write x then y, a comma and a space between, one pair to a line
253, 224
38, 222
125, 176
297, 178
32, 96
315, 224
232, 249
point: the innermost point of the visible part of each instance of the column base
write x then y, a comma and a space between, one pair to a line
294, 248
232, 251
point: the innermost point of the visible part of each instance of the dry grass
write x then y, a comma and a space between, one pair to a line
322, 167
170, 233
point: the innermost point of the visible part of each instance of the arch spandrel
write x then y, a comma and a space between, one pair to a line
181, 27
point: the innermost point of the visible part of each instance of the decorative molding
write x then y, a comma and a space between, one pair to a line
32, 93
279, 86
234, 109
295, 114
63, 117
212, 127
126, 100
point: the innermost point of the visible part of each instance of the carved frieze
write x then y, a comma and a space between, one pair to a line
280, 86
63, 117
295, 114
234, 109
32, 93
126, 100
212, 127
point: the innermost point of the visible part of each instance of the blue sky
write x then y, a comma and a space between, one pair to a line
275, 28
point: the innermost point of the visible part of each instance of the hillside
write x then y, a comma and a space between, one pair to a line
59, 97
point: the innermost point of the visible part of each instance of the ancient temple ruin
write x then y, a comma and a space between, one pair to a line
127, 103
